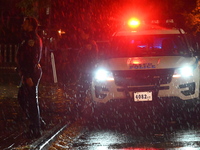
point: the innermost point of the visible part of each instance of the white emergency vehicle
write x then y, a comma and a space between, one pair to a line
146, 62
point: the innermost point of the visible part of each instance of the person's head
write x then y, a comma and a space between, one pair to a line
30, 24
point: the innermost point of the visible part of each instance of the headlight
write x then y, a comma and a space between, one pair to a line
186, 71
103, 75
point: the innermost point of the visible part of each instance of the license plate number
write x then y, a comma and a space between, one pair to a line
142, 96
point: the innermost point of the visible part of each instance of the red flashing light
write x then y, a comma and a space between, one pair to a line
132, 61
133, 22
136, 62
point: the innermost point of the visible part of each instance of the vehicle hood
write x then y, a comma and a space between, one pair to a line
135, 63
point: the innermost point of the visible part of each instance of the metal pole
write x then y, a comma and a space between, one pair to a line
5, 53
15, 53
1, 55
10, 53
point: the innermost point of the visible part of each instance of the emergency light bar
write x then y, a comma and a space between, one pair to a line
135, 23
162, 21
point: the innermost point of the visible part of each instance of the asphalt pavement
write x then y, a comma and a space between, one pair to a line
57, 110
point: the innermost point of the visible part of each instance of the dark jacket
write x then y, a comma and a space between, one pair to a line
29, 54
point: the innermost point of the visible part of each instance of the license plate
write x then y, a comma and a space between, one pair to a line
142, 96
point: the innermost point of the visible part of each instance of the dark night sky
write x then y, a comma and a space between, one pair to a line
101, 13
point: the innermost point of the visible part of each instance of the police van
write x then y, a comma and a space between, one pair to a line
146, 62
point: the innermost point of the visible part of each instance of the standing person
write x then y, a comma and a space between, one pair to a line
87, 58
88, 55
28, 59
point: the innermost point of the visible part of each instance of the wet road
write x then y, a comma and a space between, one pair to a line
55, 110
153, 125
161, 125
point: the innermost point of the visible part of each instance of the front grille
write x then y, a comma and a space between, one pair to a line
143, 77
150, 88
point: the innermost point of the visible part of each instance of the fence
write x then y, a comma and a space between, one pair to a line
63, 70
8, 63
7, 55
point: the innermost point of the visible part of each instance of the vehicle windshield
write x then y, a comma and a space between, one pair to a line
149, 45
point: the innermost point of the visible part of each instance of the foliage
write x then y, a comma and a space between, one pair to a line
192, 22
101, 17
32, 7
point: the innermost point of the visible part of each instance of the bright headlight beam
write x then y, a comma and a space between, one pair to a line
186, 71
103, 75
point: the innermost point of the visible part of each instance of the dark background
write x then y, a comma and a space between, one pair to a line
102, 17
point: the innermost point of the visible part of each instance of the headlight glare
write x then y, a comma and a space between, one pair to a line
186, 71
103, 75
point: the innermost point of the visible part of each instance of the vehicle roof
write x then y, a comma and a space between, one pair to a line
154, 30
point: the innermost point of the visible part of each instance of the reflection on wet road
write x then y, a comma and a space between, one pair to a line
103, 140
149, 128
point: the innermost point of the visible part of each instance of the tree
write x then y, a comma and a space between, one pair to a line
32, 7
192, 19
